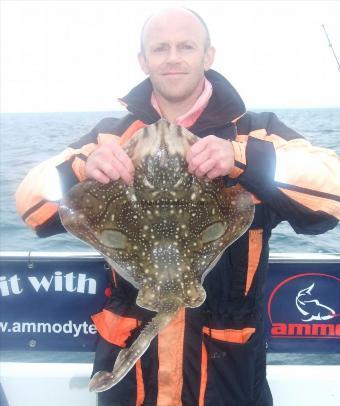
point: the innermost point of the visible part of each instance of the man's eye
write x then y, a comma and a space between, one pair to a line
159, 49
186, 47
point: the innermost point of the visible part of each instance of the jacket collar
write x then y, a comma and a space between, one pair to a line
225, 104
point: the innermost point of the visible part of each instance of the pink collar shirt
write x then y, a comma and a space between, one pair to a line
189, 118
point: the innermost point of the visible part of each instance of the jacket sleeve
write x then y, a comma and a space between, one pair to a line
298, 181
38, 194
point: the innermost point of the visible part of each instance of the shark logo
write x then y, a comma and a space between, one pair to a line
312, 308
311, 317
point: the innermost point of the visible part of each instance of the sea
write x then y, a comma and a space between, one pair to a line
29, 138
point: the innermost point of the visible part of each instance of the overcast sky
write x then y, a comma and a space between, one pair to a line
81, 55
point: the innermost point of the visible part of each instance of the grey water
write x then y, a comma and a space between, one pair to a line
29, 138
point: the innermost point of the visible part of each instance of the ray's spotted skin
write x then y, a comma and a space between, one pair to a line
163, 234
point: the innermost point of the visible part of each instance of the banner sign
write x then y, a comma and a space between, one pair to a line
46, 303
302, 307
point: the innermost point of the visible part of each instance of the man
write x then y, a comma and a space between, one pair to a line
213, 355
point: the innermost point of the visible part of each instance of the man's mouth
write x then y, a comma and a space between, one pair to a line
174, 73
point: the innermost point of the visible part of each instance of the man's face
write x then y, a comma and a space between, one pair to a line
174, 55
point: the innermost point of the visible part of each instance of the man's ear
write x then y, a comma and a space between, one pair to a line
142, 63
209, 57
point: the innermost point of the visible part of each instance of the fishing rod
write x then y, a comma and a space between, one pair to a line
331, 46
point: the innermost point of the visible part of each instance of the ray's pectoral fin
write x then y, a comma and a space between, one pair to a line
128, 357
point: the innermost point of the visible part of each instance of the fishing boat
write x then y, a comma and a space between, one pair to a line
48, 339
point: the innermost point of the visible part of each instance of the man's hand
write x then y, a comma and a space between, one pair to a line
211, 157
109, 162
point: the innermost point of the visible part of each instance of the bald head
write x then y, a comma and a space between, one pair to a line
176, 16
175, 54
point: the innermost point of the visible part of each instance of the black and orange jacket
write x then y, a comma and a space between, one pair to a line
213, 355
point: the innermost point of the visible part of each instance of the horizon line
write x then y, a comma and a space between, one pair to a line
266, 108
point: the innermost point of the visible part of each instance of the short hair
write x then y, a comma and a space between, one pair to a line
207, 40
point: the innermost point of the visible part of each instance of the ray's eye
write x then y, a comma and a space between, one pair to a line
147, 183
178, 183
213, 232
113, 239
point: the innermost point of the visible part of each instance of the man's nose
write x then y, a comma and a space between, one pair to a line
173, 55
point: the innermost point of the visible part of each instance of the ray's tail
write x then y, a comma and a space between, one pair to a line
128, 357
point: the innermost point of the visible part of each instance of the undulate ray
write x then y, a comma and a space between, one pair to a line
163, 234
